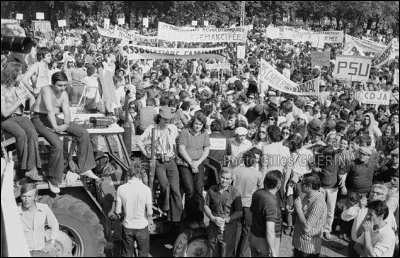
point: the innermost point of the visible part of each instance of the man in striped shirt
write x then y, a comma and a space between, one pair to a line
311, 217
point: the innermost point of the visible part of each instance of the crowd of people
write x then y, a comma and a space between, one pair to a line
295, 165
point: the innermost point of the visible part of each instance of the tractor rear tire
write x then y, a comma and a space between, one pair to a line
189, 240
80, 223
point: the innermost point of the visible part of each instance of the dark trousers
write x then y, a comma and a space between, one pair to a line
56, 160
298, 253
26, 138
243, 234
192, 184
222, 244
351, 252
168, 176
142, 238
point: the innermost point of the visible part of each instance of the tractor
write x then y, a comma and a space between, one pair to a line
84, 208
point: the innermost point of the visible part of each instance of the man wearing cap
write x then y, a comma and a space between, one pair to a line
166, 169
360, 172
239, 146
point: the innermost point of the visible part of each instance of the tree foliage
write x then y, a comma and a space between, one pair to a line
77, 13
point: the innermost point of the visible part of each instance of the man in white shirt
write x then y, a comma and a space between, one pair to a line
134, 198
239, 146
378, 239
359, 213
275, 155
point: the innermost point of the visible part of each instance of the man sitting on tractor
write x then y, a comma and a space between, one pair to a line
51, 101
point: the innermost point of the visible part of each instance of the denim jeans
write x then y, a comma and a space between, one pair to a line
192, 184
142, 238
168, 176
56, 160
26, 139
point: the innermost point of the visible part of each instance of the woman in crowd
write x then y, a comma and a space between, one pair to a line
14, 97
193, 144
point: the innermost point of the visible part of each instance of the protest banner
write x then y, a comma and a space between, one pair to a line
205, 23
333, 36
62, 23
375, 97
220, 66
269, 76
320, 58
106, 23
43, 26
366, 45
385, 57
396, 77
352, 49
353, 68
241, 52
146, 22
173, 33
218, 144
124, 34
40, 16
272, 32
175, 51
194, 23
121, 21
162, 56
20, 16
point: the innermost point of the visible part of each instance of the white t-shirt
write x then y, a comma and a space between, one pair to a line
275, 157
134, 196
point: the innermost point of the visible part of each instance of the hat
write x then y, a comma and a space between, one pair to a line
165, 112
271, 93
258, 109
365, 150
304, 116
273, 105
310, 104
241, 131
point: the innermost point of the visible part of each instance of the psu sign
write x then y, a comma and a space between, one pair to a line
353, 68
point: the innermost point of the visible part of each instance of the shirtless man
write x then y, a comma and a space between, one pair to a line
38, 73
51, 101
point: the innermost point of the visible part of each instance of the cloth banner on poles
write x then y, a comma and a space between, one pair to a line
272, 32
124, 34
352, 49
353, 68
174, 33
161, 56
272, 77
225, 66
375, 97
386, 56
175, 51
333, 36
320, 58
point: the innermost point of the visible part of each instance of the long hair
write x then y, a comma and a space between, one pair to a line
200, 116
10, 73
